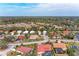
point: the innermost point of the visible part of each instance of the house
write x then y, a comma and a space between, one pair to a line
32, 32
6, 32
1, 30
55, 35
44, 32
66, 32
39, 32
76, 37
59, 47
43, 48
58, 27
25, 32
19, 32
13, 32
23, 50
33, 37
21, 37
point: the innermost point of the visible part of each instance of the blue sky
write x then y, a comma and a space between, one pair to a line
39, 9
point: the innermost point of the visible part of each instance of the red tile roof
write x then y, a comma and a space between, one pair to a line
24, 49
59, 45
66, 32
1, 30
44, 47
53, 33
21, 37
33, 36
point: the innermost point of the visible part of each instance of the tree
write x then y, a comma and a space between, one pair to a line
3, 44
12, 53
70, 51
10, 38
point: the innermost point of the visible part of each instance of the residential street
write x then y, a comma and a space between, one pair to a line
4, 52
46, 39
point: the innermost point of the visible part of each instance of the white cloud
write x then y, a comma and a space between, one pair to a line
53, 7
42, 9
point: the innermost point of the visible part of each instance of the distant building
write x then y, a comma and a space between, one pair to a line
32, 32
19, 32
39, 32
6, 32
25, 32
55, 35
13, 32
66, 32
58, 27
21, 37
44, 32
76, 37
33, 37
